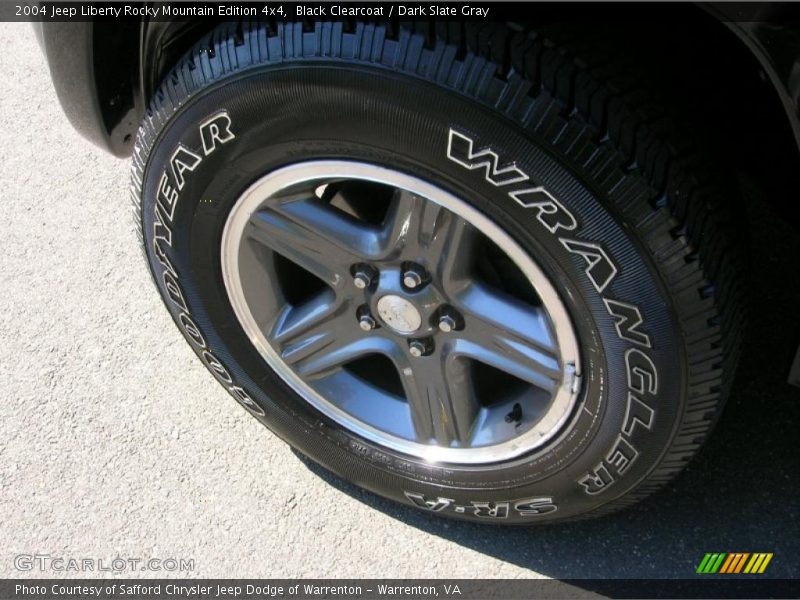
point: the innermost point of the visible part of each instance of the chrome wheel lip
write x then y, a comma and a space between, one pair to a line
565, 398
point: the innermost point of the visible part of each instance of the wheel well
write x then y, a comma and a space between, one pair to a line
723, 94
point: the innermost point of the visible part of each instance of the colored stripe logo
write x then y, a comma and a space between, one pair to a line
731, 563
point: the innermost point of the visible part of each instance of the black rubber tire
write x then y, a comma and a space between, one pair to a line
638, 246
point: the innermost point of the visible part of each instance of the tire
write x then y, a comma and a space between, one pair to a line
544, 150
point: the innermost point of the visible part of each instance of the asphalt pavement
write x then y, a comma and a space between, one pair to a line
116, 442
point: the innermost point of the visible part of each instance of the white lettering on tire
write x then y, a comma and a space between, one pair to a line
213, 131
600, 270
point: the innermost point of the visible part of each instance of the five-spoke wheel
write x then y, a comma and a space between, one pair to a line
400, 311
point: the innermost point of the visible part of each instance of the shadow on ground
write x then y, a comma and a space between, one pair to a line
739, 494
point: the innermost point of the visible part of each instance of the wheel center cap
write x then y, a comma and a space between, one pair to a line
399, 314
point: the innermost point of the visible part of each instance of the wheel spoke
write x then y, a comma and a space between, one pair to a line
319, 336
424, 230
440, 395
294, 322
455, 246
314, 236
401, 224
509, 335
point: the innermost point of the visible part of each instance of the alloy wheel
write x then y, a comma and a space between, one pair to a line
400, 312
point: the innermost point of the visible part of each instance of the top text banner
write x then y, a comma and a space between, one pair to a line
111, 11
158, 11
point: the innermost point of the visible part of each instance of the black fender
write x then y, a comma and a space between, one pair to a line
95, 71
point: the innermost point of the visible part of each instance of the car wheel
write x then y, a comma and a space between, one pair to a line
459, 269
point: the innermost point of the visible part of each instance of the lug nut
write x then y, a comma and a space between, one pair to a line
366, 322
449, 319
447, 323
363, 276
419, 348
414, 276
412, 280
365, 319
